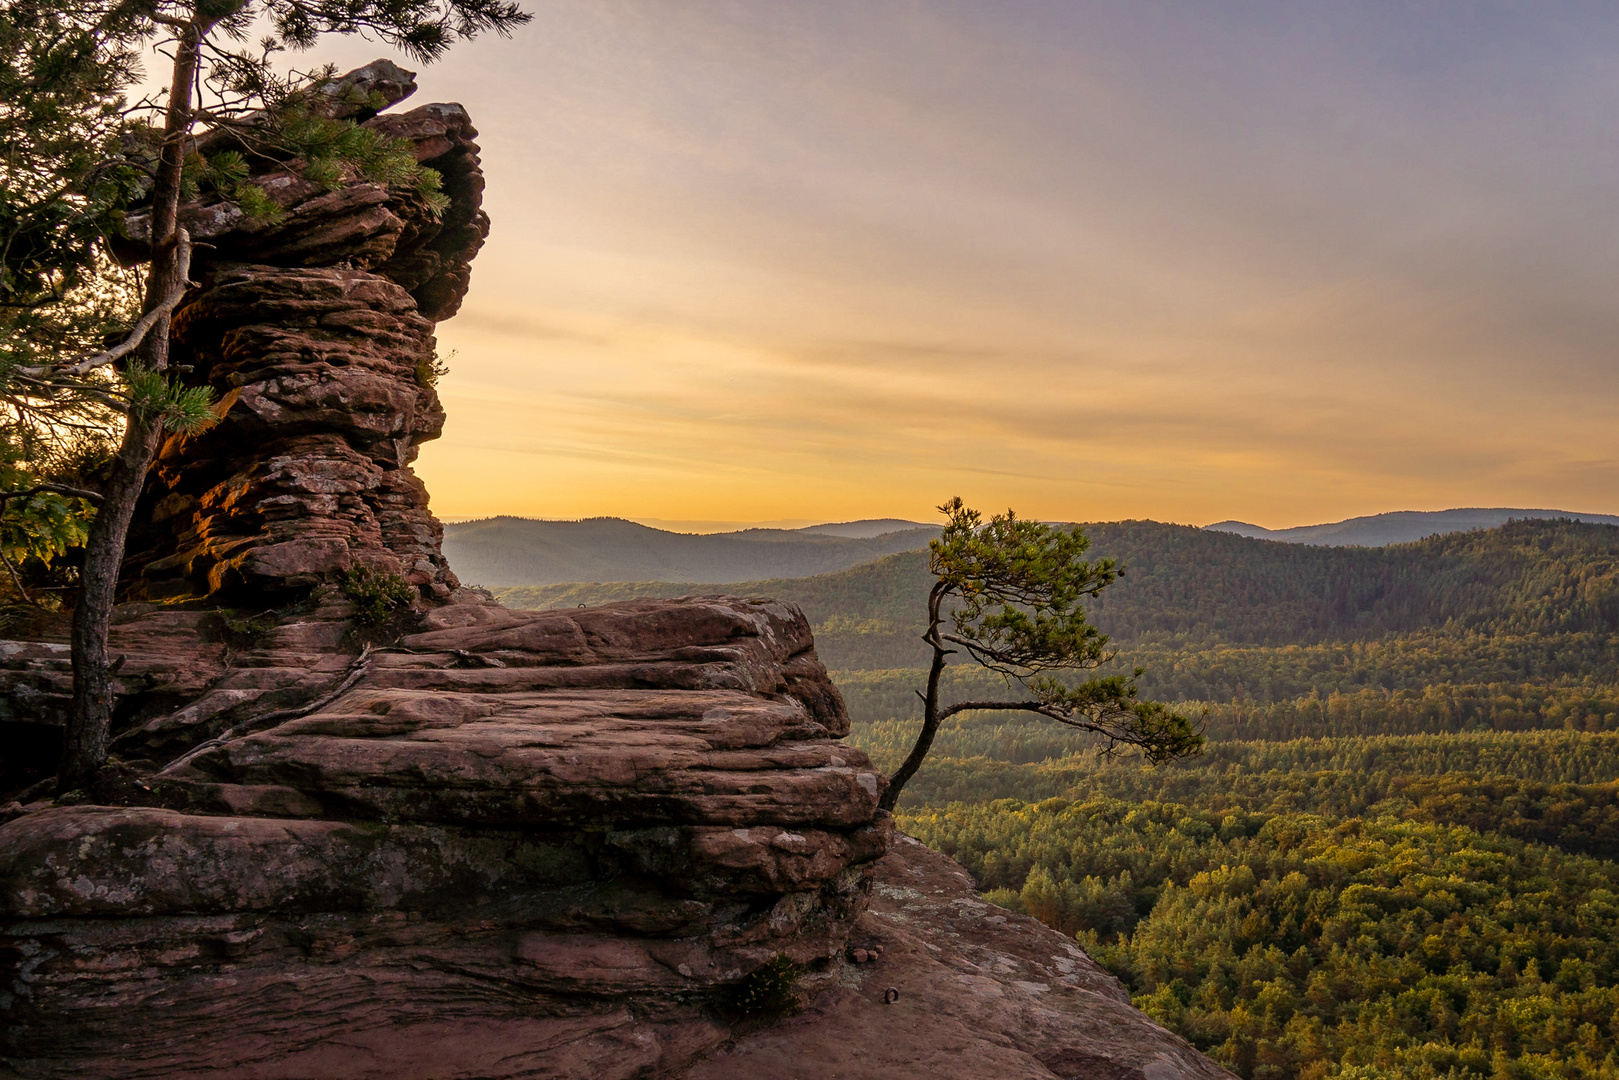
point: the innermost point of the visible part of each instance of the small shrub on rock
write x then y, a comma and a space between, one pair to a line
375, 594
429, 370
768, 991
241, 628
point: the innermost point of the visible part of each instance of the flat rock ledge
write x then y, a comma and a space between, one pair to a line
515, 844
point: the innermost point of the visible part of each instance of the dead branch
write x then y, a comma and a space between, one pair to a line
147, 321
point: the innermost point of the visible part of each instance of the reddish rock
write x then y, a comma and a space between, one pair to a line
316, 335
981, 992
308, 473
570, 830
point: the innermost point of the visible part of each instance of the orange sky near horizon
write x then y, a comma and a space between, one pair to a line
1284, 263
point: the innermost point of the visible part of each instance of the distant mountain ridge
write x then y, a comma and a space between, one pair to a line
1180, 582
502, 552
505, 551
1400, 526
864, 529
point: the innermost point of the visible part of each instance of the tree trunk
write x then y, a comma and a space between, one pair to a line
90, 713
930, 707
924, 738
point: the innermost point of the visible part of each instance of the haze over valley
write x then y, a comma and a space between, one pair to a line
503, 551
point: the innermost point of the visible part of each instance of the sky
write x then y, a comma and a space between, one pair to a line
1283, 262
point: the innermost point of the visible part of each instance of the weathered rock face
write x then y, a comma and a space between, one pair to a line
519, 844
316, 334
980, 992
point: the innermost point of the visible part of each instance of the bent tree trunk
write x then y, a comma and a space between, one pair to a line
924, 738
930, 706
90, 713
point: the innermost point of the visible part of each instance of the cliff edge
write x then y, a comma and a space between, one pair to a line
962, 990
511, 844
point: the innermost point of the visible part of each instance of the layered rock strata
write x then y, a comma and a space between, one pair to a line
315, 332
520, 844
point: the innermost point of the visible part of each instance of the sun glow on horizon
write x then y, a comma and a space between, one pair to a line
755, 263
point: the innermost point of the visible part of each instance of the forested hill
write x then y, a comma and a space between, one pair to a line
505, 551
1401, 526
1524, 577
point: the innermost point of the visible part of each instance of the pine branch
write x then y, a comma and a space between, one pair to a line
56, 489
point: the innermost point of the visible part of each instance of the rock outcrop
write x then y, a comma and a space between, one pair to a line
510, 842
316, 334
977, 991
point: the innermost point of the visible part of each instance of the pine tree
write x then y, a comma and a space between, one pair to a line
63, 178
1007, 593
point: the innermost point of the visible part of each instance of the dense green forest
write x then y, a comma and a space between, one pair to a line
1291, 943
1396, 856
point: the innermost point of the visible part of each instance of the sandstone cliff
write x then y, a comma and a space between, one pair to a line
316, 335
549, 838
470, 842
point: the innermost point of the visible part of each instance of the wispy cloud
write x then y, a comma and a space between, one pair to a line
1280, 261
